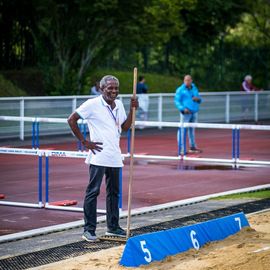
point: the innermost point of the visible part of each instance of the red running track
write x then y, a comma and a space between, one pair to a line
154, 182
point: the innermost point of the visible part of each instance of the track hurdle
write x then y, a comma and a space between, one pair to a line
47, 154
35, 134
36, 130
181, 139
19, 151
70, 154
235, 138
83, 128
236, 160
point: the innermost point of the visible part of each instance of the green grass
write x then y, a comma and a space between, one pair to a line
8, 89
263, 194
156, 83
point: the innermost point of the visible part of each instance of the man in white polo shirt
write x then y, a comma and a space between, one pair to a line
106, 118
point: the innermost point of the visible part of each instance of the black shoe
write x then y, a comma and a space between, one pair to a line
194, 150
118, 232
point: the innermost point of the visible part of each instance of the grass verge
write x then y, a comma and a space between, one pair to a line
262, 194
8, 89
157, 83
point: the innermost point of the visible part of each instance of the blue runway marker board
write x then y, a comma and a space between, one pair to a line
146, 248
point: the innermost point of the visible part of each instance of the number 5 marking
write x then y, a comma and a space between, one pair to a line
194, 241
148, 258
237, 219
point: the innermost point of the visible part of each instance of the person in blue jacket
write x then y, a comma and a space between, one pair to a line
187, 100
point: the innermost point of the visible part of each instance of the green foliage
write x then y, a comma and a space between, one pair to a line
8, 89
81, 34
157, 83
248, 44
216, 41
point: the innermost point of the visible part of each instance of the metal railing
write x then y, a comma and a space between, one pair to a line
217, 107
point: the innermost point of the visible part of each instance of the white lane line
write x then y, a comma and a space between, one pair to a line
261, 249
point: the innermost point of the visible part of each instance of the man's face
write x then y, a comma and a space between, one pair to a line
188, 81
110, 91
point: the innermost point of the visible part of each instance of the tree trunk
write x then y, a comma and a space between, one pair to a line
145, 57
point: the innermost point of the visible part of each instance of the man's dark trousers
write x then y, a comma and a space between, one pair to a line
90, 201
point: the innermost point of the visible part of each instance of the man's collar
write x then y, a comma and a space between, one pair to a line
103, 101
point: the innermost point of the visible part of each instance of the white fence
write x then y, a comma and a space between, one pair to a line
217, 107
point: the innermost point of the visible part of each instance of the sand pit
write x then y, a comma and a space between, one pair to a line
249, 249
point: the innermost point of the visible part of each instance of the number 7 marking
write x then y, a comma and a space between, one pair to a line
237, 219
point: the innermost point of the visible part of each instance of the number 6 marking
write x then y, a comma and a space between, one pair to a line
237, 219
194, 241
148, 258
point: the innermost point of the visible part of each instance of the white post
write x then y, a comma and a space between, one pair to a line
22, 120
74, 104
160, 110
227, 109
256, 113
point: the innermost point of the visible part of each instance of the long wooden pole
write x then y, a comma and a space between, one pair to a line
131, 152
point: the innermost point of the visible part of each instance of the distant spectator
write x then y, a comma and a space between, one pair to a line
187, 100
143, 98
247, 101
95, 90
247, 85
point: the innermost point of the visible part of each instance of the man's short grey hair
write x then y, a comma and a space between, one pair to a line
104, 81
248, 78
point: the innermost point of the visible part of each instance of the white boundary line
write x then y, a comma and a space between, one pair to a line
70, 208
258, 212
143, 210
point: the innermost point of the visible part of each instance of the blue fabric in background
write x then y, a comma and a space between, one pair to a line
146, 248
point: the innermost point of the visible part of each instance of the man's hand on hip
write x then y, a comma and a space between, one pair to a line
93, 146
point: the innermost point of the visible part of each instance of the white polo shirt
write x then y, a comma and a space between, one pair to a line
105, 126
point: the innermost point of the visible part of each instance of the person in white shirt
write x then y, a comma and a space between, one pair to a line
106, 118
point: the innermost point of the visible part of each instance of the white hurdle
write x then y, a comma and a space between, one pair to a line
47, 154
234, 127
29, 152
62, 154
235, 140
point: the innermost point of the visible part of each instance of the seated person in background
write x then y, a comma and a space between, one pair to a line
95, 90
247, 85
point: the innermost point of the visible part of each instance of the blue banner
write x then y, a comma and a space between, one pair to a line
146, 248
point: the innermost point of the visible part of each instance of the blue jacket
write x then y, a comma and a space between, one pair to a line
141, 88
183, 98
